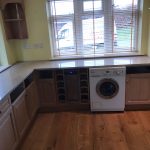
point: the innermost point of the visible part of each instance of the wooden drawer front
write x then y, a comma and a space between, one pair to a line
4, 105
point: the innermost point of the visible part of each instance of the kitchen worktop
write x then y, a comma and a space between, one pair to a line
14, 75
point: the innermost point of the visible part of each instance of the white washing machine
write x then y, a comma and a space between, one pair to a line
107, 88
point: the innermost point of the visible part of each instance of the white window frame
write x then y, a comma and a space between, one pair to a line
77, 24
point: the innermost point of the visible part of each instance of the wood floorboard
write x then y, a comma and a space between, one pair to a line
90, 131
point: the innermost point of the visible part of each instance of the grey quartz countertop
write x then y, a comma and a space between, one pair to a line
14, 75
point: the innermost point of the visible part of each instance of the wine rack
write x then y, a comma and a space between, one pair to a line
72, 85
60, 85
84, 85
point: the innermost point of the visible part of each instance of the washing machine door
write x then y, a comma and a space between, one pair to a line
107, 88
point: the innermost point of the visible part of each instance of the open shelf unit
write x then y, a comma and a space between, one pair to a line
14, 19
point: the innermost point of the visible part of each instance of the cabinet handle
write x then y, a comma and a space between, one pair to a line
0, 112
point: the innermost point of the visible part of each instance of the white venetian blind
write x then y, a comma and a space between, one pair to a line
92, 27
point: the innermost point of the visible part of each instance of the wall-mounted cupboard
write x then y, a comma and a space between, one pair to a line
13, 13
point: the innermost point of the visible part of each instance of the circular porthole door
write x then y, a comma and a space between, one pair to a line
107, 88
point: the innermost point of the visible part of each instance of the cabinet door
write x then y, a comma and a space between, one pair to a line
32, 99
8, 136
47, 92
138, 89
21, 114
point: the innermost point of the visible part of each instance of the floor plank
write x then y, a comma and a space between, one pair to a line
90, 131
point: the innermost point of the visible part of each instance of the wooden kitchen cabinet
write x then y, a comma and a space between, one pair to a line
21, 114
63, 89
32, 99
138, 89
46, 88
47, 92
8, 134
14, 19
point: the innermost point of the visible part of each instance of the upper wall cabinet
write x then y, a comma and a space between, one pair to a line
14, 19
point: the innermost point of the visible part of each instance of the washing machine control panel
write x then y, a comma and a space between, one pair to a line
106, 72
118, 72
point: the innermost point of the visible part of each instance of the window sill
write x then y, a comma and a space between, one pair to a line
108, 55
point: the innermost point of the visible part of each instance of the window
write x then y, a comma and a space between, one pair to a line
93, 27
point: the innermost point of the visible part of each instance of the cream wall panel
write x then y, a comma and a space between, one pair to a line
7, 47
37, 25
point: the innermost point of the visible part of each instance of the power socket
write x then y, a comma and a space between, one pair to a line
38, 45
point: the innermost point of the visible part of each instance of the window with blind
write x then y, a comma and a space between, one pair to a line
93, 27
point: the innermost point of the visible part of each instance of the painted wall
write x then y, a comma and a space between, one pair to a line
148, 18
37, 46
3, 55
144, 27
7, 53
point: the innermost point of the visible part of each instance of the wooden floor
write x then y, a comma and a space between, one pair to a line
90, 131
